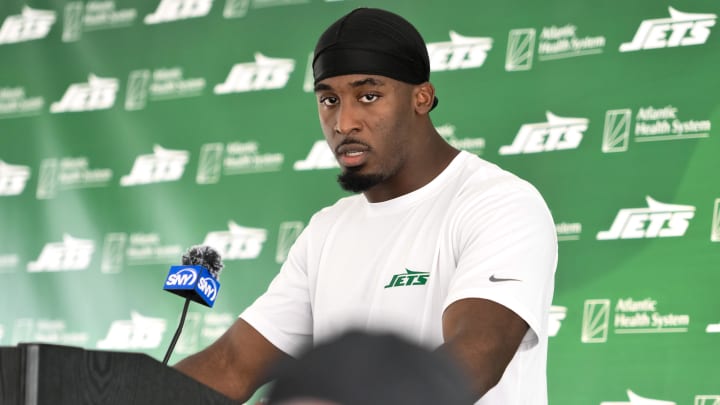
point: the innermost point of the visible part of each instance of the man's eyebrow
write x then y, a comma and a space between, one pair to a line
322, 87
357, 83
370, 80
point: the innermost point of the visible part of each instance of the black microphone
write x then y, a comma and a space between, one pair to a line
196, 280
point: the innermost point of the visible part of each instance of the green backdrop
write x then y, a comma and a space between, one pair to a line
131, 130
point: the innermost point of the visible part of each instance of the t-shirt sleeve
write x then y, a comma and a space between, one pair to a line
506, 250
283, 313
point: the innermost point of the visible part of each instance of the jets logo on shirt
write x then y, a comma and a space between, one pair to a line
409, 278
681, 29
31, 24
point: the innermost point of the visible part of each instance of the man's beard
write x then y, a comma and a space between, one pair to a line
357, 183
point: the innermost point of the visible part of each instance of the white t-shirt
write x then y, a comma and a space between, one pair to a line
394, 266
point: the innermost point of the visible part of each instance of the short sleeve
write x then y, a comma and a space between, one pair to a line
506, 249
283, 313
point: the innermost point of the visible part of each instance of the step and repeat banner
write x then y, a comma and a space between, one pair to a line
131, 130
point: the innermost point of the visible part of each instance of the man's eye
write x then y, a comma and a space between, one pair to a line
328, 101
369, 98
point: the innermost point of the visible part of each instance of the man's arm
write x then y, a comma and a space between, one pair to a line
236, 364
483, 337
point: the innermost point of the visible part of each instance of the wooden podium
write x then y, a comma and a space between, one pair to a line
45, 374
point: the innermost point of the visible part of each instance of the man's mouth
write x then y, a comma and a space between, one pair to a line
352, 155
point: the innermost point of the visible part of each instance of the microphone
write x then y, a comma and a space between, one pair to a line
196, 280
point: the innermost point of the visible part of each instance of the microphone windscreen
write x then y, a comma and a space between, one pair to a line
203, 255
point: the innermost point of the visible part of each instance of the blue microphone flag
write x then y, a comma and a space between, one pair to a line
193, 282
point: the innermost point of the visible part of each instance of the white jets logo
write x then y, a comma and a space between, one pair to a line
657, 221
172, 10
638, 400
97, 94
265, 74
162, 165
140, 332
558, 133
239, 243
681, 29
31, 24
13, 178
320, 157
70, 254
460, 53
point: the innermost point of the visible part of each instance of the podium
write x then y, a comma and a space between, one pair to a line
45, 374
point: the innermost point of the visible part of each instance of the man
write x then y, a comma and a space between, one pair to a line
441, 247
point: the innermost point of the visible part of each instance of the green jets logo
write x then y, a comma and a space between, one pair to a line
408, 278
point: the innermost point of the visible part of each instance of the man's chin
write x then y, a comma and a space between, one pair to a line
356, 182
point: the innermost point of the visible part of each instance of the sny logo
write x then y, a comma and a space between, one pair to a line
97, 94
70, 254
172, 10
13, 178
163, 165
408, 278
265, 74
238, 243
657, 221
31, 24
460, 53
681, 29
184, 277
558, 133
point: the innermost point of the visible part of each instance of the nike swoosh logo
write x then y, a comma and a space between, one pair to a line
497, 280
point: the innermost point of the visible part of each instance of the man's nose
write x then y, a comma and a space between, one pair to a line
347, 120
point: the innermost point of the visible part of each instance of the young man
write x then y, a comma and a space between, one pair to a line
440, 246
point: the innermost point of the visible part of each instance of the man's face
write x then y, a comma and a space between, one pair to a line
366, 120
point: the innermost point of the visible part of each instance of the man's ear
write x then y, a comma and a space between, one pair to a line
424, 97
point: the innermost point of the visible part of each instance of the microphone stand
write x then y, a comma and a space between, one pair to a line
177, 332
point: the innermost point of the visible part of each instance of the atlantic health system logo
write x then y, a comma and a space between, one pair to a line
652, 124
553, 43
630, 316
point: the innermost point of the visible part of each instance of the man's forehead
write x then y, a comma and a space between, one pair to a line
353, 81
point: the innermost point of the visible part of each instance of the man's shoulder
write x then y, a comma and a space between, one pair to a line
484, 177
330, 213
